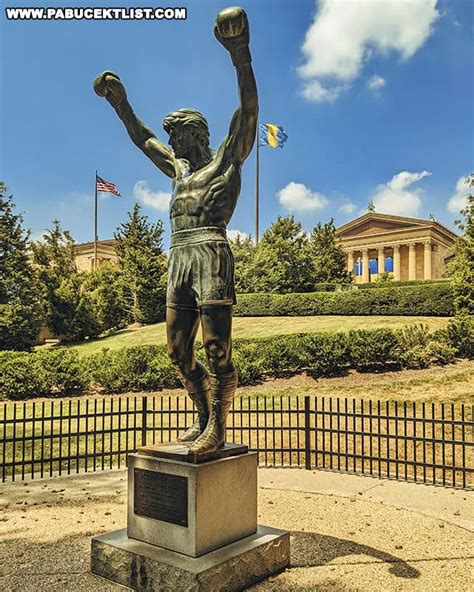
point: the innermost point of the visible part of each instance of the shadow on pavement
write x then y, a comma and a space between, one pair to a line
309, 549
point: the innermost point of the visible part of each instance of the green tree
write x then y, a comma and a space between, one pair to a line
283, 261
104, 286
143, 265
75, 316
54, 259
21, 304
243, 250
461, 267
329, 258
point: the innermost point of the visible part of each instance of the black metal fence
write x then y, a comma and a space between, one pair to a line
425, 442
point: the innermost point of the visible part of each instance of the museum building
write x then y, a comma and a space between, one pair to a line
105, 254
407, 248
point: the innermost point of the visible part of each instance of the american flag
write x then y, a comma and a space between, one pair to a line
103, 185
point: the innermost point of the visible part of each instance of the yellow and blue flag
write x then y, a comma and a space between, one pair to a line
271, 135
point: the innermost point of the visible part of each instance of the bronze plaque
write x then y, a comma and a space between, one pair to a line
161, 496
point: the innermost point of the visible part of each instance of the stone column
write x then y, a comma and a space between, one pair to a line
350, 261
396, 263
411, 261
381, 261
427, 266
365, 266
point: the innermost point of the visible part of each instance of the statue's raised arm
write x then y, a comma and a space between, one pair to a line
232, 30
109, 85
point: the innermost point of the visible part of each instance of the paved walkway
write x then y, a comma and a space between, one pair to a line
349, 533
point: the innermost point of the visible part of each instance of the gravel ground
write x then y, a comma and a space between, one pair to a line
348, 533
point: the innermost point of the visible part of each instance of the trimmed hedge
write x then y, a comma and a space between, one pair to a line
50, 372
435, 299
401, 283
147, 367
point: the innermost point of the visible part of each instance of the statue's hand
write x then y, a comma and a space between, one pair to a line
232, 30
109, 85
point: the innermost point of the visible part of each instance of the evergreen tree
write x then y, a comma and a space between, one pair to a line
462, 266
283, 262
21, 305
104, 287
243, 250
55, 253
329, 259
143, 265
54, 259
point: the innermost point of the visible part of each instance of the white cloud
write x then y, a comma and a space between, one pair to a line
315, 91
398, 197
376, 82
296, 197
158, 200
458, 201
234, 234
347, 208
345, 35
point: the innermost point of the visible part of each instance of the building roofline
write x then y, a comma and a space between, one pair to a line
108, 241
389, 217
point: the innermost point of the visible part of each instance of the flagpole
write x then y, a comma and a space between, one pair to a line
257, 185
95, 222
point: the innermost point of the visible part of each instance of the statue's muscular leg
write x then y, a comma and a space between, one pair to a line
181, 329
216, 323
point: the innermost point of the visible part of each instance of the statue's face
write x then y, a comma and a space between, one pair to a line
181, 140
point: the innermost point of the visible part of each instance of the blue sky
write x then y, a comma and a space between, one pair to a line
376, 99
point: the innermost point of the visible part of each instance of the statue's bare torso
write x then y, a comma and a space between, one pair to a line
206, 197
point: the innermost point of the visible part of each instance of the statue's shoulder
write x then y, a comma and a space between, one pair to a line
182, 167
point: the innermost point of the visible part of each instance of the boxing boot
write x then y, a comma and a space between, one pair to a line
198, 387
222, 394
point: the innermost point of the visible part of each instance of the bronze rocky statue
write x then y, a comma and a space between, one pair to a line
206, 186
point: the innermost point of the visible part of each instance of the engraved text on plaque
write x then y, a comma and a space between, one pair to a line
161, 496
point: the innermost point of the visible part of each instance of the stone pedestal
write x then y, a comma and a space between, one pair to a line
191, 524
147, 568
192, 508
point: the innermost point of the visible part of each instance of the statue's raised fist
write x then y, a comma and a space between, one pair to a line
109, 85
232, 30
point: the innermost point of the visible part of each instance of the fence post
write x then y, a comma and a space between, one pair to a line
144, 419
307, 427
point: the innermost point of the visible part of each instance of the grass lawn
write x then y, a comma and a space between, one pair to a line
262, 327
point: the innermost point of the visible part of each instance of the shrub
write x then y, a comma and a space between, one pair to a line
373, 349
459, 334
22, 376
440, 353
383, 284
419, 348
283, 354
326, 354
249, 361
143, 367
19, 325
147, 367
328, 287
435, 299
64, 371
416, 357
414, 335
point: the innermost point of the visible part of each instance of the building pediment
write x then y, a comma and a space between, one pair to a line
373, 223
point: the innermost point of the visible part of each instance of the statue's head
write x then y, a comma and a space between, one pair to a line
188, 132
